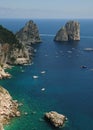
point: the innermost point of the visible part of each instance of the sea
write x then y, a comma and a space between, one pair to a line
61, 85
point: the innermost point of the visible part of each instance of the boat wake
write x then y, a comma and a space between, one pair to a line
47, 35
52, 35
89, 37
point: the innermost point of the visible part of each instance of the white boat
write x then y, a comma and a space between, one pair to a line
43, 72
88, 49
43, 89
35, 77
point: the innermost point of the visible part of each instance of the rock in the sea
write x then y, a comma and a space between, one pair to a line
29, 33
55, 118
4, 74
8, 107
61, 35
70, 32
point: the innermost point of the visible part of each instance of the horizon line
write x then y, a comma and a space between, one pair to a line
47, 18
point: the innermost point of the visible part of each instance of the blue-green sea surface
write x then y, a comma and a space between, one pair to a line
68, 87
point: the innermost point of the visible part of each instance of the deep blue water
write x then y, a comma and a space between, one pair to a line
68, 88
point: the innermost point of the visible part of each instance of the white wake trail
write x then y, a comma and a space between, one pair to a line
52, 35
47, 35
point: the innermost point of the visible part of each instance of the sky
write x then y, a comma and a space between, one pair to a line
46, 9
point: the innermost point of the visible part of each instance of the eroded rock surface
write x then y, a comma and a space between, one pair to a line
55, 118
29, 33
8, 107
70, 32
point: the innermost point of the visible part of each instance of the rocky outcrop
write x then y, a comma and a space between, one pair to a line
4, 74
55, 118
70, 32
10, 54
29, 34
19, 56
8, 107
17, 49
11, 49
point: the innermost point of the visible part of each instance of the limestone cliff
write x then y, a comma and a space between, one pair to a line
8, 107
70, 32
11, 50
29, 33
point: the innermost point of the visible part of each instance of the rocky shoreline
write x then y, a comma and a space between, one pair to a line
3, 74
8, 107
17, 50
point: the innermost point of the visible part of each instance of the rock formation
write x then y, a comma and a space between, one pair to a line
19, 56
70, 32
55, 118
8, 107
17, 49
4, 74
11, 49
29, 34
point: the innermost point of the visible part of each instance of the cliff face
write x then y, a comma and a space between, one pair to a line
10, 54
29, 33
8, 107
11, 51
70, 32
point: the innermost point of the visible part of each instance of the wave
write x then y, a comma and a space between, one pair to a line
52, 35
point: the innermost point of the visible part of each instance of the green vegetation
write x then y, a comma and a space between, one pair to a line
7, 36
13, 59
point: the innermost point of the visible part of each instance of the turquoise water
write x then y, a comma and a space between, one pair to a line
68, 88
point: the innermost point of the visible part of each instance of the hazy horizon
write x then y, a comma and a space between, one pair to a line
50, 9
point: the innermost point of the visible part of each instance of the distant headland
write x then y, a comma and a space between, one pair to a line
16, 49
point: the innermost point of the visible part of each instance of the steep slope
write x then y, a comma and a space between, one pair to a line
70, 32
8, 107
11, 49
29, 34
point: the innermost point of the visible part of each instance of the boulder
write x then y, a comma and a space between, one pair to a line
55, 118
70, 32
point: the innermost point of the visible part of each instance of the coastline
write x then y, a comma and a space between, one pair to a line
3, 73
69, 88
8, 107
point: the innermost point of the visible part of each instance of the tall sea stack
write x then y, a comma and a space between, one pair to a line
69, 32
29, 33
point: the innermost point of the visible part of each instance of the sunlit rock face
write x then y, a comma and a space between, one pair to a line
70, 32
